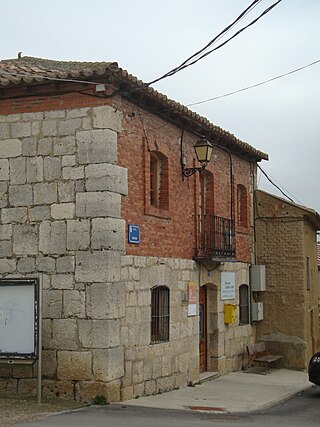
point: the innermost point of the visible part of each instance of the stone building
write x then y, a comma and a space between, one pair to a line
286, 245
145, 271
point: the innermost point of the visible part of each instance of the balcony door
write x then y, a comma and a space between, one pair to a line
203, 328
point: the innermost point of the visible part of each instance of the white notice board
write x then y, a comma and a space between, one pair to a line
18, 319
228, 285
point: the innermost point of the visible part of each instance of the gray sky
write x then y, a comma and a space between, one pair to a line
149, 37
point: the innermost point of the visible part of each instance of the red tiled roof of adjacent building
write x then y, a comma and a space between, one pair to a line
31, 71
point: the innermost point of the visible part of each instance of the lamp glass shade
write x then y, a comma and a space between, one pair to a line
203, 149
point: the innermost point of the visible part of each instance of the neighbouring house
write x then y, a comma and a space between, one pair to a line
286, 245
145, 265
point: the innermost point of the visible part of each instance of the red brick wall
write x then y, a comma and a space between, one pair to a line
167, 233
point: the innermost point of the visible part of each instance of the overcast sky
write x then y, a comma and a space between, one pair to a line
149, 37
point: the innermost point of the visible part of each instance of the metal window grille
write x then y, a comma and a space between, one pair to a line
244, 305
160, 315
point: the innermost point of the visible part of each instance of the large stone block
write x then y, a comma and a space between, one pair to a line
74, 305
49, 127
25, 239
108, 233
66, 192
46, 264
34, 169
107, 117
4, 169
12, 215
106, 177
4, 131
62, 281
64, 146
44, 147
3, 194
52, 304
68, 126
18, 170
39, 213
58, 389
45, 193
97, 146
65, 264
99, 333
5, 248
5, 232
7, 265
74, 365
108, 364
65, 334
29, 147
77, 112
98, 205
52, 168
78, 234
106, 300
62, 210
10, 148
53, 237
20, 195
20, 129
98, 266
73, 172
26, 265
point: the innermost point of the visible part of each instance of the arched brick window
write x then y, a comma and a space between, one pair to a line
242, 204
159, 196
160, 314
243, 304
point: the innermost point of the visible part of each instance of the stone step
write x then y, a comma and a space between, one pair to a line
207, 376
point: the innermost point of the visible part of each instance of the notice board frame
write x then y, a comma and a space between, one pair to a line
30, 307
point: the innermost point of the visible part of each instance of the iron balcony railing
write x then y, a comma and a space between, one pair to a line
216, 238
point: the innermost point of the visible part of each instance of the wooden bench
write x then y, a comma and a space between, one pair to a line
258, 354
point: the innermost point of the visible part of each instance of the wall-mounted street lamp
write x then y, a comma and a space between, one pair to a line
203, 149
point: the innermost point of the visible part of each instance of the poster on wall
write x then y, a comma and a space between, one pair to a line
192, 299
18, 319
228, 285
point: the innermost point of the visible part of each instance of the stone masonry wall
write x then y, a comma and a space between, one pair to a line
60, 199
154, 368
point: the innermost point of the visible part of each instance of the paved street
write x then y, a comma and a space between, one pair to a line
303, 409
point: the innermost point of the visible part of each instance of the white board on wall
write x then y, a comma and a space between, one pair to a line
18, 318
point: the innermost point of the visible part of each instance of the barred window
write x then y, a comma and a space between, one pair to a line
243, 304
160, 315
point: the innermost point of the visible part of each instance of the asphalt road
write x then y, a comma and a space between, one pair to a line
303, 409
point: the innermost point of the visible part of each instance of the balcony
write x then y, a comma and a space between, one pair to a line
216, 239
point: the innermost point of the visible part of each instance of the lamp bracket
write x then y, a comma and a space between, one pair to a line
190, 171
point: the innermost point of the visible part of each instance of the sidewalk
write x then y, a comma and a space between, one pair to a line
233, 393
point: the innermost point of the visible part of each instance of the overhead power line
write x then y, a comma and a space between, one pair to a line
255, 85
277, 186
187, 62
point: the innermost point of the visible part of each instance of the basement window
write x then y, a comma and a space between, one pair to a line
160, 314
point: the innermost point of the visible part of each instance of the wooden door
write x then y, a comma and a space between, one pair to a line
203, 328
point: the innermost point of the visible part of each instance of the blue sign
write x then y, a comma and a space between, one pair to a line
133, 233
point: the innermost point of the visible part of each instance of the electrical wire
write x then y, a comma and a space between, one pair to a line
270, 180
186, 63
285, 189
255, 85
216, 38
